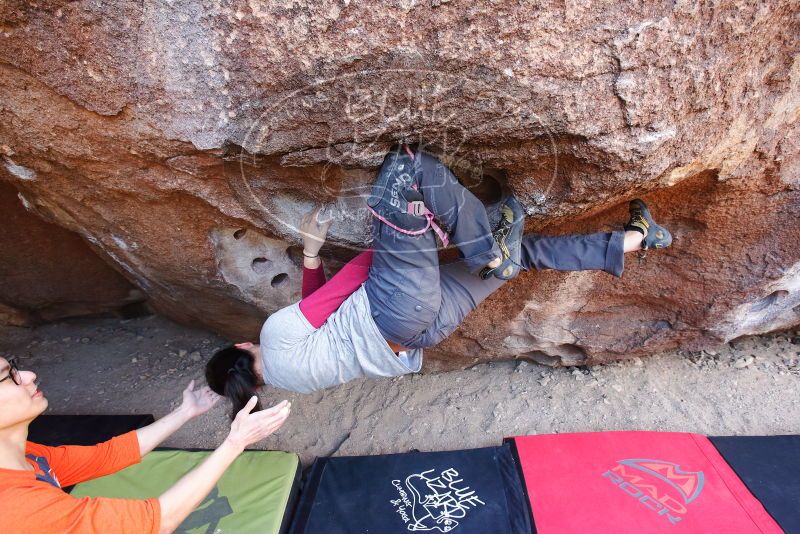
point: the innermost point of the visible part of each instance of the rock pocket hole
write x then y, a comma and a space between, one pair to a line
260, 265
279, 280
238, 234
768, 301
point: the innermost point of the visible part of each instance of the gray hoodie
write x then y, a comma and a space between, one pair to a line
301, 358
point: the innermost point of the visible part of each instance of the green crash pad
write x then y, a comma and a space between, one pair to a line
252, 496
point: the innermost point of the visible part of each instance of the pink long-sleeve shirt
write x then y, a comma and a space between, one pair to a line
321, 298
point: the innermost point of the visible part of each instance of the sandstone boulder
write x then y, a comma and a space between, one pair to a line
183, 140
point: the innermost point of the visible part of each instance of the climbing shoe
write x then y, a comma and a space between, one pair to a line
508, 235
654, 236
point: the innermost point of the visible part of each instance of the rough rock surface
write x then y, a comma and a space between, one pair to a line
48, 273
184, 139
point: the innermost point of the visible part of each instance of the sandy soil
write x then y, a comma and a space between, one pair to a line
750, 386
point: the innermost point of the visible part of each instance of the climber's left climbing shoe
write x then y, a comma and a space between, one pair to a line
508, 235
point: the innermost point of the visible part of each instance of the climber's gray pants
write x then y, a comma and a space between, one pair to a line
417, 303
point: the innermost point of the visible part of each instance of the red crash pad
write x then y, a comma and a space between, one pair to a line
602, 482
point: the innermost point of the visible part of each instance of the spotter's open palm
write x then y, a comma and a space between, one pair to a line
197, 402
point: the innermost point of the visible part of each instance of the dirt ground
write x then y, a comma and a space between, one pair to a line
749, 386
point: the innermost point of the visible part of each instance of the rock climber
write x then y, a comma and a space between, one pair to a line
378, 313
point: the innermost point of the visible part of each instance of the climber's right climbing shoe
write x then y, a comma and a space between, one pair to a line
653, 235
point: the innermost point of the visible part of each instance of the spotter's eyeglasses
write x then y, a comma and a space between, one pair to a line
13, 372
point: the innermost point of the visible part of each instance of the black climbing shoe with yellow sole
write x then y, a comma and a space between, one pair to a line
508, 236
653, 235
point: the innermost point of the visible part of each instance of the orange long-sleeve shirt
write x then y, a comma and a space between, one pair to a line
33, 502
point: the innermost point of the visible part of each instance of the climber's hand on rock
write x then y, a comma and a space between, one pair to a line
314, 231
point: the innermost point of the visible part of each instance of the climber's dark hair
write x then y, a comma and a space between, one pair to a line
230, 372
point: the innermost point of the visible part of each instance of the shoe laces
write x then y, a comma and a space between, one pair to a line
503, 229
504, 226
638, 216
